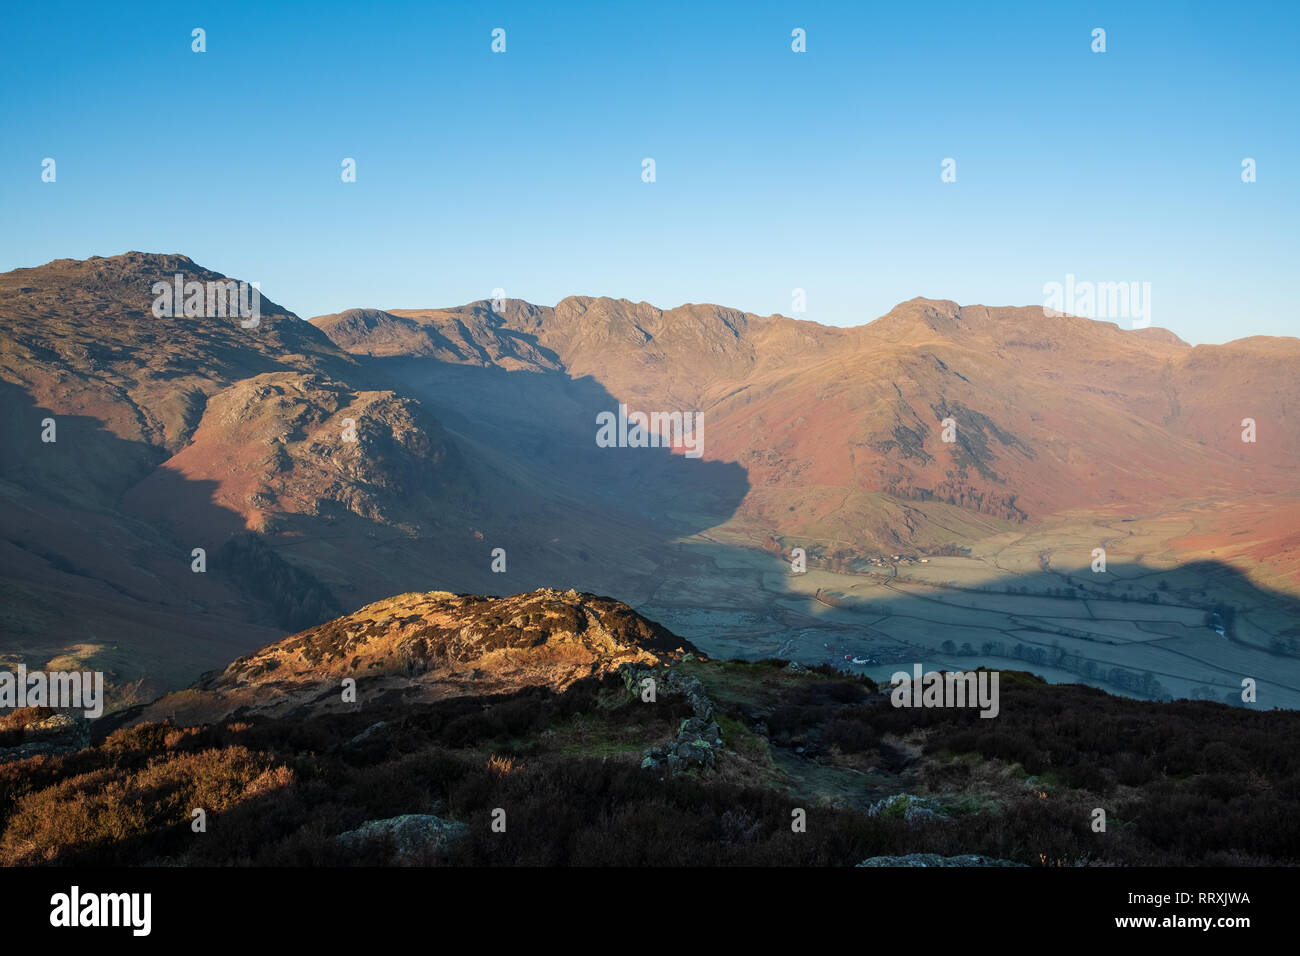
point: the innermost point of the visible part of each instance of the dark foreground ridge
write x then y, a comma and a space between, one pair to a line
759, 763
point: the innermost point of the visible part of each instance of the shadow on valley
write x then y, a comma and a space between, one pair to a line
94, 580
540, 429
1191, 631
1189, 782
102, 534
99, 513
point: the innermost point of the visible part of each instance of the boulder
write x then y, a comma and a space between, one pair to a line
915, 810
413, 835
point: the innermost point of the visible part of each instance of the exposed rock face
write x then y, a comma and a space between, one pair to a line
696, 737
1050, 413
288, 444
915, 810
174, 432
430, 646
81, 337
38, 732
414, 836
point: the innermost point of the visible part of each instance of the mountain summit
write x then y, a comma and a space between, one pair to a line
830, 424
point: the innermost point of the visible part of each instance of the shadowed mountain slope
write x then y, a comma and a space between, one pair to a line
215, 483
840, 431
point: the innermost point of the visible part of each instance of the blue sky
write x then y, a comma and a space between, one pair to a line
774, 170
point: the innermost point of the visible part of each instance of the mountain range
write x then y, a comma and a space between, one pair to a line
327, 464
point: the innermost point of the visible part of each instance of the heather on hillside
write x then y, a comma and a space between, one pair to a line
1185, 783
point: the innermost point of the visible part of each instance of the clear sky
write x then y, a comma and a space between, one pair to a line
775, 170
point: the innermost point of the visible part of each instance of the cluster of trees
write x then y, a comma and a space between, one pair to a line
1221, 616
1064, 592
1135, 682
949, 551
950, 647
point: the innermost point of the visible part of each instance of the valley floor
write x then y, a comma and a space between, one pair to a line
1144, 627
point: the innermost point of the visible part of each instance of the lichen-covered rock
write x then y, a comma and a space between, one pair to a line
56, 725
413, 835
697, 736
434, 645
905, 806
53, 735
368, 732
917, 815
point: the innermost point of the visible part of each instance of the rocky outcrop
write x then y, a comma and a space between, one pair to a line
414, 836
915, 810
57, 733
434, 645
698, 737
